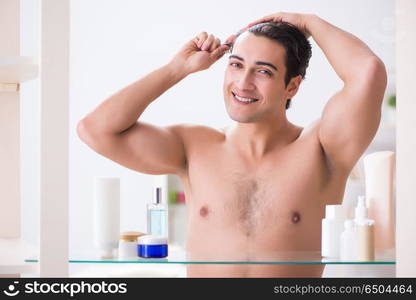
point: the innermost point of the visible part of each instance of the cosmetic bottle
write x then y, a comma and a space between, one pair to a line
332, 227
157, 215
348, 250
379, 189
106, 209
365, 232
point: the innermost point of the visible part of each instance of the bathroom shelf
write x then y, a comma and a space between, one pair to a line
17, 69
278, 258
12, 253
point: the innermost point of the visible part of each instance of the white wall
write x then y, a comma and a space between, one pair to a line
30, 124
9, 128
406, 142
115, 42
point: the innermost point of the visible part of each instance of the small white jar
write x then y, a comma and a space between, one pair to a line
127, 246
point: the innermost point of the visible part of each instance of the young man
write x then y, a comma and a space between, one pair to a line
257, 189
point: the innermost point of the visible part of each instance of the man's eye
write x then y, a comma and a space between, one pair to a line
265, 72
233, 64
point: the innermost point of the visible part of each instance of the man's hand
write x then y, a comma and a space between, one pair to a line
298, 20
199, 53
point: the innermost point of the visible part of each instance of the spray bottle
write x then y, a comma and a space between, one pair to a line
365, 232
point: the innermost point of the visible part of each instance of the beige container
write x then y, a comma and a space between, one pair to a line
379, 186
365, 241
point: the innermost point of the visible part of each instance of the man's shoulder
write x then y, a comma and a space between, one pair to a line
197, 132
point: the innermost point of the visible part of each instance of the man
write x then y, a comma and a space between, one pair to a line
256, 189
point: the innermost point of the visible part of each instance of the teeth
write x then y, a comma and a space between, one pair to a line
245, 100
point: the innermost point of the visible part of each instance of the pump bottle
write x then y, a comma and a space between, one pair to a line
365, 232
157, 215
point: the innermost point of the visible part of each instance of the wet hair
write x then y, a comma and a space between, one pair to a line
297, 47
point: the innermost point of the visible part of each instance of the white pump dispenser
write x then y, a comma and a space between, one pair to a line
361, 211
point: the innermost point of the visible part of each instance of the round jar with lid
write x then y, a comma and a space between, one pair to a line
152, 246
127, 246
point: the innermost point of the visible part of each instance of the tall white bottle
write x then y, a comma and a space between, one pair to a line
365, 232
379, 183
348, 251
106, 209
332, 227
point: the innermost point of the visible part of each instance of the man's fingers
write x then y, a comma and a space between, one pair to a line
262, 20
201, 39
207, 43
215, 44
270, 18
230, 39
219, 52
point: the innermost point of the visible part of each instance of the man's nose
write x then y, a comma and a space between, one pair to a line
245, 82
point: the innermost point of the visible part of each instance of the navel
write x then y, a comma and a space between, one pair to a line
295, 217
203, 211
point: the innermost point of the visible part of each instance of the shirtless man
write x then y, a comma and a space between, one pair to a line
260, 185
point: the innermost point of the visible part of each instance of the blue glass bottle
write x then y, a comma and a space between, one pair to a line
157, 215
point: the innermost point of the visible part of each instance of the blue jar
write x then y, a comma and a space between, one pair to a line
151, 246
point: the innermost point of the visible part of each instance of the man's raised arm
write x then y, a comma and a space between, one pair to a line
113, 129
351, 117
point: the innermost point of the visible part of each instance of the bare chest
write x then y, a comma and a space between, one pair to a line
283, 191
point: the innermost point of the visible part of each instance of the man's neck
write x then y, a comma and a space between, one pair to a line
255, 140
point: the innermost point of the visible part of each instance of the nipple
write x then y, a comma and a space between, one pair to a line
203, 211
295, 217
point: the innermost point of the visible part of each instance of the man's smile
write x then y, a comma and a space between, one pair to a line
243, 100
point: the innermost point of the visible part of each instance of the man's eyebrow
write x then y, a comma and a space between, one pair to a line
262, 63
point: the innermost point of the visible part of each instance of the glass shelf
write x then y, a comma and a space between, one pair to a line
17, 69
386, 257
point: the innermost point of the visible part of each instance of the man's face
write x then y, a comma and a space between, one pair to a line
255, 71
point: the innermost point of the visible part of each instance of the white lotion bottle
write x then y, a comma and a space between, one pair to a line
106, 208
365, 232
379, 184
348, 251
332, 227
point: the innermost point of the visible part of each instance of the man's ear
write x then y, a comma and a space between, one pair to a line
293, 86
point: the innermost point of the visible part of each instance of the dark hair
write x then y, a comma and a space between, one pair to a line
298, 49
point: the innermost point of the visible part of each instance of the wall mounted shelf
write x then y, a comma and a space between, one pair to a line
18, 69
15, 70
12, 253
